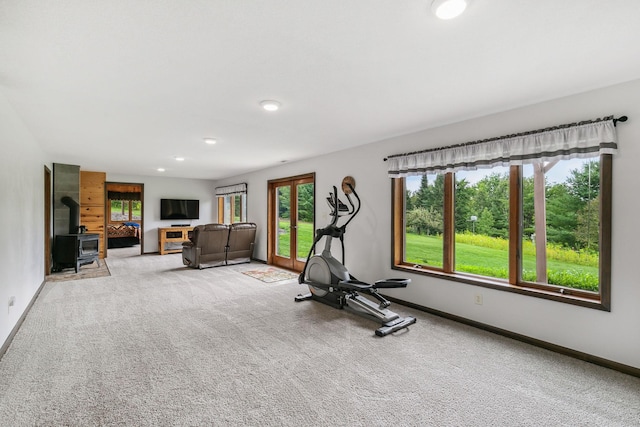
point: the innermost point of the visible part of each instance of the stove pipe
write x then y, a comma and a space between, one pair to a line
74, 214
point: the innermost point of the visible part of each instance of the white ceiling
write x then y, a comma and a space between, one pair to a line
124, 86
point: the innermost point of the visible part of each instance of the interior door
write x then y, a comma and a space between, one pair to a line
291, 221
47, 221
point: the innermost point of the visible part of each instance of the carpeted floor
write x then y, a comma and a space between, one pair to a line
158, 344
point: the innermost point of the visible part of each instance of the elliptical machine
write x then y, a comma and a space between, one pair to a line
330, 282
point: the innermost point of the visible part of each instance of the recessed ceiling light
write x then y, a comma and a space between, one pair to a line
270, 105
160, 169
179, 159
210, 141
448, 9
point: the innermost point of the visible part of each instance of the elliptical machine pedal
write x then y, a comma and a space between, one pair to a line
395, 325
330, 282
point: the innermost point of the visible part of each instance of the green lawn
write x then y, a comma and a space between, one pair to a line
305, 239
494, 262
470, 258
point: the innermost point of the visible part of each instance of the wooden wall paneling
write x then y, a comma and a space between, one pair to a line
92, 204
124, 188
93, 218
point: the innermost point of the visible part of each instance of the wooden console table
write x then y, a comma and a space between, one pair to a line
170, 239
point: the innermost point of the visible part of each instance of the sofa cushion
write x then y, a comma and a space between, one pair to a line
242, 236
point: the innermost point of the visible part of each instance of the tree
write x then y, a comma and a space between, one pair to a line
420, 196
424, 207
425, 221
430, 194
464, 194
410, 200
486, 223
562, 209
528, 210
584, 184
435, 194
284, 201
492, 194
305, 202
588, 229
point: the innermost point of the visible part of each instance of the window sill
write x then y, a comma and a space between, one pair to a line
563, 295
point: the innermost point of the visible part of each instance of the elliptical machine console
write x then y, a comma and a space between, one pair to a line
330, 282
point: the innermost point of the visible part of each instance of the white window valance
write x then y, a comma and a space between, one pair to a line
232, 190
577, 140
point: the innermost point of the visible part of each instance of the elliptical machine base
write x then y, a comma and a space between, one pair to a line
345, 302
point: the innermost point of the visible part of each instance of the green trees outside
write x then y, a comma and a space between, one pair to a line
305, 202
284, 202
125, 210
571, 207
482, 208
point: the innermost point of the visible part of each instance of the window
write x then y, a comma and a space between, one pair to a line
125, 210
232, 209
481, 208
541, 227
232, 203
124, 202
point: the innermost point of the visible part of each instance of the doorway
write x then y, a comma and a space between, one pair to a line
291, 221
47, 221
124, 213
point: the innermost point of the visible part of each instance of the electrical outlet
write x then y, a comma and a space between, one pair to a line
12, 302
478, 299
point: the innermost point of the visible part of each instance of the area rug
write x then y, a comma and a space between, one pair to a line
270, 274
89, 271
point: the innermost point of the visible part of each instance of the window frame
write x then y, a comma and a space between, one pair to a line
600, 300
130, 210
232, 214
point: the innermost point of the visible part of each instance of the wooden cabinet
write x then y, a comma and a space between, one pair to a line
170, 239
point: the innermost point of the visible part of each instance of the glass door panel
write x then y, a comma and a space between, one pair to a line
304, 220
283, 208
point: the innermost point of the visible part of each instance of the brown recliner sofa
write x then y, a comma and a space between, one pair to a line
213, 245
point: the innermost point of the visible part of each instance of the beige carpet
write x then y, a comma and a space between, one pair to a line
158, 344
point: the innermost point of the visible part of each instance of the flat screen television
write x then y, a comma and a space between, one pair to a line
179, 209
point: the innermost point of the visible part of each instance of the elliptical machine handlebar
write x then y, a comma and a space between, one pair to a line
339, 208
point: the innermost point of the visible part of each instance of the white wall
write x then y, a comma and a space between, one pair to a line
156, 188
21, 215
611, 335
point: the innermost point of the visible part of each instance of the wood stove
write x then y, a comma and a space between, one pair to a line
75, 250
